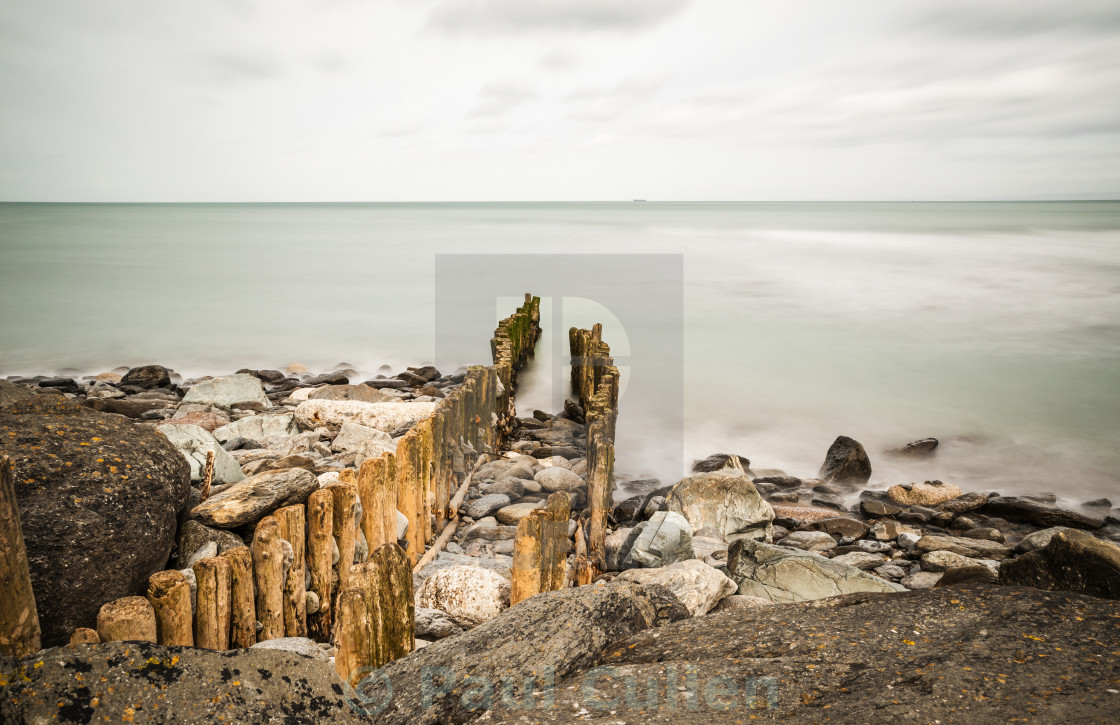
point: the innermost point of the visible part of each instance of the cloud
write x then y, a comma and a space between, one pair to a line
328, 62
573, 15
499, 99
236, 67
1021, 18
558, 60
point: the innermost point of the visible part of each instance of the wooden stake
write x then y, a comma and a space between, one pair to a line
527, 551
344, 499
19, 620
320, 518
242, 595
129, 619
207, 476
554, 541
377, 489
584, 571
170, 597
212, 603
355, 632
268, 577
292, 524
396, 633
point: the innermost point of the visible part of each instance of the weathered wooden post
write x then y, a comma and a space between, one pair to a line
376, 615
344, 501
377, 489
268, 577
129, 619
320, 523
293, 520
554, 547
599, 481
355, 630
409, 490
212, 603
242, 595
170, 597
527, 556
19, 620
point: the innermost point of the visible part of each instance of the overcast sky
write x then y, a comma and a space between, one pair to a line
368, 100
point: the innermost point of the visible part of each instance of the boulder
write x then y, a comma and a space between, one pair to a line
351, 436
194, 443
233, 391
724, 500
258, 427
921, 580
810, 541
363, 393
204, 419
615, 547
943, 559
972, 548
699, 587
550, 634
486, 505
1038, 539
839, 526
1072, 561
929, 493
720, 461
194, 536
299, 646
1015, 508
964, 503
250, 500
665, 539
863, 560
373, 448
741, 601
557, 478
798, 515
154, 684
148, 376
967, 575
915, 449
469, 595
512, 514
785, 574
98, 498
386, 417
435, 624
878, 509
845, 462
512, 487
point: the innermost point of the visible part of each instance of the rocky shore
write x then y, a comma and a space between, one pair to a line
735, 569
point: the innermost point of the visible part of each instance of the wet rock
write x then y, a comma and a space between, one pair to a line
333, 378
809, 541
698, 586
784, 574
915, 449
845, 462
234, 391
972, 548
1072, 561
1040, 514
929, 493
469, 595
194, 443
780, 481
725, 500
147, 376
878, 509
720, 461
250, 500
665, 539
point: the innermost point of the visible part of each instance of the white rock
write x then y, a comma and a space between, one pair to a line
383, 416
351, 436
374, 449
233, 391
402, 525
725, 501
558, 479
193, 442
301, 394
699, 586
258, 428
328, 477
470, 595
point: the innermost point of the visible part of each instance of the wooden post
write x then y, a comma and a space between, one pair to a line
207, 476
84, 635
584, 571
344, 499
554, 541
242, 595
268, 577
129, 619
408, 494
598, 496
19, 620
293, 521
170, 597
376, 615
425, 490
320, 518
527, 550
377, 489
212, 603
355, 631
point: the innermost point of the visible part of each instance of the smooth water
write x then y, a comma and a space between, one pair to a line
992, 326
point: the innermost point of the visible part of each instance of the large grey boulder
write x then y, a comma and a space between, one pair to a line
1014, 508
254, 498
725, 501
1037, 539
665, 539
698, 586
487, 505
1073, 561
557, 478
845, 462
470, 595
232, 391
785, 574
194, 442
972, 548
258, 427
384, 416
351, 436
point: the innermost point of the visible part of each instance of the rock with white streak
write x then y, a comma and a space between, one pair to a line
698, 586
252, 499
382, 416
258, 427
194, 442
470, 595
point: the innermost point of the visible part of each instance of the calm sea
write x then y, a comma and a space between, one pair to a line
994, 327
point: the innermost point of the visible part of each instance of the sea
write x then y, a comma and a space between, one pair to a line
991, 326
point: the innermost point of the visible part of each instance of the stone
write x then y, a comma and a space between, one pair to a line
512, 487
193, 536
845, 462
469, 595
785, 574
929, 493
147, 376
984, 532
1038, 539
402, 525
864, 560
615, 549
483, 507
203, 419
779, 481
332, 378
351, 436
301, 646
1040, 514
629, 509
435, 624
1072, 561
130, 407
510, 515
720, 461
967, 575
887, 530
157, 684
915, 449
373, 448
890, 571
798, 515
558, 479
258, 427
972, 548
250, 500
698, 586
964, 503
99, 498
908, 540
725, 500
663, 540
362, 393
839, 526
233, 391
878, 509
921, 580
386, 417
809, 541
194, 443
942, 560
741, 601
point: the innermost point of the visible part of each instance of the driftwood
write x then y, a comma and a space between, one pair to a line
19, 620
292, 525
242, 595
170, 597
212, 603
207, 476
129, 619
320, 518
268, 577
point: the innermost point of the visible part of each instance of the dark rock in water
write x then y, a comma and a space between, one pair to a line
828, 489
148, 376
964, 503
915, 449
575, 411
393, 383
779, 481
829, 502
878, 509
542, 416
66, 385
327, 379
773, 657
1102, 503
557, 632
719, 461
417, 377
1073, 561
272, 377
966, 575
98, 497
157, 684
1015, 508
845, 462
430, 390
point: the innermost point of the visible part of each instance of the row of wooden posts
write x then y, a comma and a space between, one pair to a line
369, 613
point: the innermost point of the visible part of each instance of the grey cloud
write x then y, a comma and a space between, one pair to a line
520, 15
1021, 18
498, 99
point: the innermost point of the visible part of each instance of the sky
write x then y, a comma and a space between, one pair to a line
520, 100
